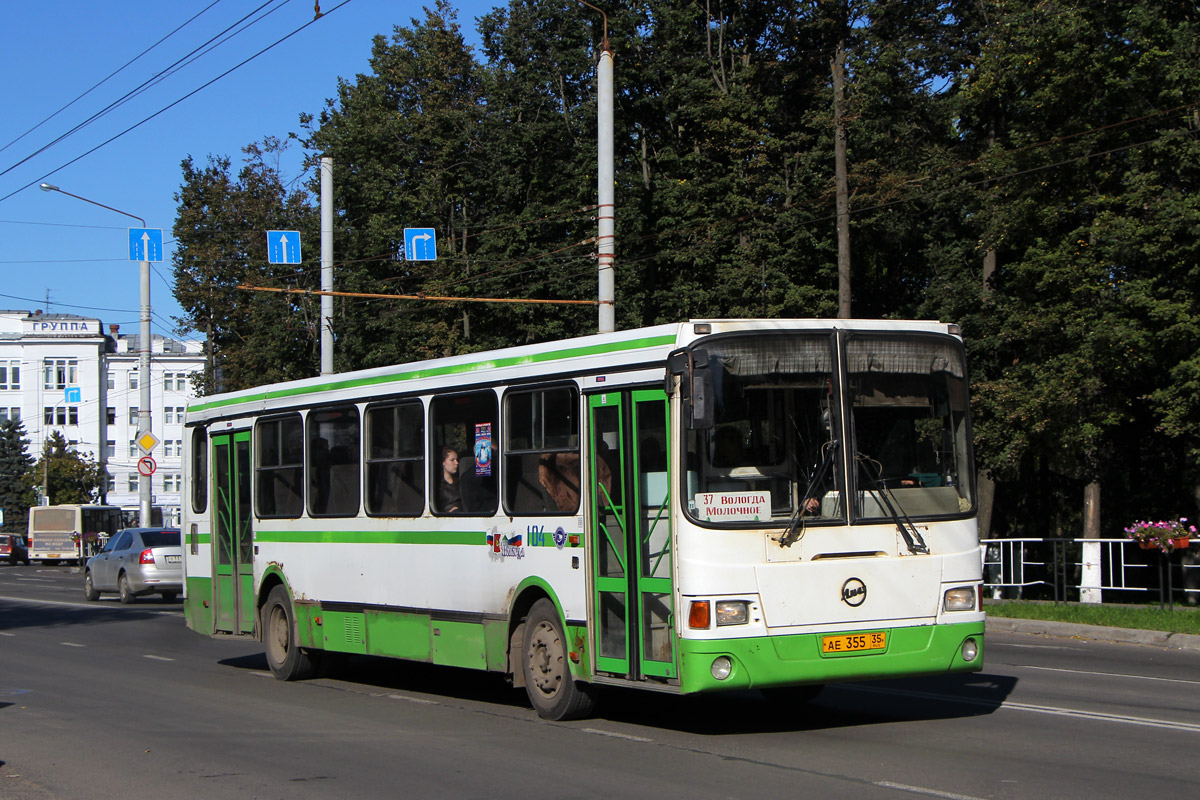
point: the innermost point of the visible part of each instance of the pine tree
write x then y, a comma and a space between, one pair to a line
16, 487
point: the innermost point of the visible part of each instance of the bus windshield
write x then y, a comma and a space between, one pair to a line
777, 447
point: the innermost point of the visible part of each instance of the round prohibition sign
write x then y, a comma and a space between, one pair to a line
146, 466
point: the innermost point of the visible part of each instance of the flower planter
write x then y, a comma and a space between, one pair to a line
1181, 543
1147, 544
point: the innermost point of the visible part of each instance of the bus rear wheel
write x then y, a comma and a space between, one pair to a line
552, 691
287, 660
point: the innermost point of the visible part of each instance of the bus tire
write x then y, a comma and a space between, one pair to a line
287, 660
124, 593
89, 588
553, 693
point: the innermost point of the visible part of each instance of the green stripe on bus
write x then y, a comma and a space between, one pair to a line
372, 537
450, 369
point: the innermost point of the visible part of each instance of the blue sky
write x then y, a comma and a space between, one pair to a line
53, 51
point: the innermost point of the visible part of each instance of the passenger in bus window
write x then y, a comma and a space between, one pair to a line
449, 495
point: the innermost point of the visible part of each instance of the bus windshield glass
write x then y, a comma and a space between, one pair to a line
908, 398
778, 447
771, 446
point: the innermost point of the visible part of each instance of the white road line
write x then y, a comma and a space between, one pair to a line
922, 790
1107, 674
2, 633
417, 700
613, 735
72, 644
100, 605
1075, 713
158, 658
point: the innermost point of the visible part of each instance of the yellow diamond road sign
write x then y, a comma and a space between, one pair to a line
147, 441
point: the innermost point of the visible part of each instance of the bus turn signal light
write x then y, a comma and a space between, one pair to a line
698, 614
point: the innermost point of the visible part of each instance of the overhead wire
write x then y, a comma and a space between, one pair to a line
110, 75
158, 77
166, 108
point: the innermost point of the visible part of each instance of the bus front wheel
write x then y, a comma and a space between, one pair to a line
287, 660
552, 691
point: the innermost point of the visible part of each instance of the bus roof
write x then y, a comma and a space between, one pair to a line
602, 352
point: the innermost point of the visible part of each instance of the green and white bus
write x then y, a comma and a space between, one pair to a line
721, 504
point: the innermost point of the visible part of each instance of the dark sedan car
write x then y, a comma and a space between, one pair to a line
137, 561
13, 549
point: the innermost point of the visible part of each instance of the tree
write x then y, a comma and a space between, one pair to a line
68, 476
220, 232
16, 484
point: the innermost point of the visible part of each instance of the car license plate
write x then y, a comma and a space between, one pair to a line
173, 559
854, 642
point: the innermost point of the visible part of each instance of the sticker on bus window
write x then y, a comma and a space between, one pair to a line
483, 448
733, 506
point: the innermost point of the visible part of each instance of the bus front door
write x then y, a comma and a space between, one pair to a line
233, 570
630, 508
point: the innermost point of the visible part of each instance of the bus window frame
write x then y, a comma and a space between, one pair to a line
420, 459
432, 432
506, 451
257, 451
311, 417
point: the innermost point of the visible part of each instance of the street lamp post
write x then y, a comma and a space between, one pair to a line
144, 418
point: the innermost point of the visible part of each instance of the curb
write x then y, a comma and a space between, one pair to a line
1100, 633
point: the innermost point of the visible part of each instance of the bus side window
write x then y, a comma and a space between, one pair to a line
541, 451
395, 457
279, 455
466, 424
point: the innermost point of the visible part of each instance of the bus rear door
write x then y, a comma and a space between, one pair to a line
233, 570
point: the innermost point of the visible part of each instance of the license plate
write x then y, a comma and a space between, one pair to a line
173, 559
854, 642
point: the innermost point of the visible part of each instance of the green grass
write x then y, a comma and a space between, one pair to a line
1183, 619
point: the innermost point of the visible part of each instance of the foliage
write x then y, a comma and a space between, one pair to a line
1161, 534
16, 485
1028, 169
69, 477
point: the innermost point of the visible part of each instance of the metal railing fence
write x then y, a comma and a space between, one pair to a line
1089, 570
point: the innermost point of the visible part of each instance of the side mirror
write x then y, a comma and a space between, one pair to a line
695, 386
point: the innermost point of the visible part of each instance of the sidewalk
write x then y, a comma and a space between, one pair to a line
1099, 633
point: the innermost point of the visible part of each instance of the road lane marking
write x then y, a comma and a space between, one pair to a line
158, 658
101, 605
72, 644
418, 700
922, 790
1106, 674
2, 633
1057, 711
613, 735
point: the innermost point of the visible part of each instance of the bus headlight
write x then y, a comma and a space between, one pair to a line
733, 612
722, 666
970, 650
961, 598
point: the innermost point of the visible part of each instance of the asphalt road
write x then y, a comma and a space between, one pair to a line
101, 700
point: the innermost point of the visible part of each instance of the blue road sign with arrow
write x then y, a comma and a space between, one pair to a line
145, 244
420, 244
283, 247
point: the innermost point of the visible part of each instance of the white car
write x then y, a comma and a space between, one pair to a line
137, 561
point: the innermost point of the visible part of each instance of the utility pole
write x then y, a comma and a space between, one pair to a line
606, 234
326, 265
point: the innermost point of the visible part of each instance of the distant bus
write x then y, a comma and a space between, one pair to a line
70, 531
705, 506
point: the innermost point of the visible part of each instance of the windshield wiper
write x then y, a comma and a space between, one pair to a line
912, 537
795, 529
